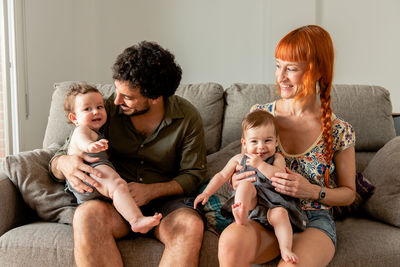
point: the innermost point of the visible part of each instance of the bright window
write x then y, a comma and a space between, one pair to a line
9, 137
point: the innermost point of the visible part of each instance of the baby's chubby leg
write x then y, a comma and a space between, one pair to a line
279, 218
245, 200
116, 188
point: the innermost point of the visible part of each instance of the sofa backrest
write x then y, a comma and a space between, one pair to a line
367, 108
208, 98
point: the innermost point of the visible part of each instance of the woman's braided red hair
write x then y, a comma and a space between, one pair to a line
313, 45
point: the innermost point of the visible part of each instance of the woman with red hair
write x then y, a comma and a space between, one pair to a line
319, 152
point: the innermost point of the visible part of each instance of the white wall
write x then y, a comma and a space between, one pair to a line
223, 41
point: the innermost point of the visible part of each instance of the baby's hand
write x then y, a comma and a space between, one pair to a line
203, 198
97, 146
254, 161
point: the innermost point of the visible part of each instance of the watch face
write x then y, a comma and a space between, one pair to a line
322, 194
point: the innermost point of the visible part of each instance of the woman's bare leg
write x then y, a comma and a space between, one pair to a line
313, 247
243, 245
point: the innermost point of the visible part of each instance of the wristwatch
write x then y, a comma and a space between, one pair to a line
322, 193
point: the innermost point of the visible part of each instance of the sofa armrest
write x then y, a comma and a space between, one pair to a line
12, 208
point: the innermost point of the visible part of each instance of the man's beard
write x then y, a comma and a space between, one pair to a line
135, 112
139, 112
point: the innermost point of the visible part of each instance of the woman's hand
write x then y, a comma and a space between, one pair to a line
75, 171
293, 184
238, 177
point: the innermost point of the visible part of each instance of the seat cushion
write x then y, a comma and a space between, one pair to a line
364, 242
51, 244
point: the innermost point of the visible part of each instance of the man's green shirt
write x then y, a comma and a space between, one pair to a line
174, 151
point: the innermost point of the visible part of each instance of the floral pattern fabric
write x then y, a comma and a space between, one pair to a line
312, 164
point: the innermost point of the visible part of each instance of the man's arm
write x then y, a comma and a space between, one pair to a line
144, 193
193, 161
72, 168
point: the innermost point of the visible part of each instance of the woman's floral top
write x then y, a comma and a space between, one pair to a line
312, 164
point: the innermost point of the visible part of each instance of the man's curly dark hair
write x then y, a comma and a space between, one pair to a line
150, 67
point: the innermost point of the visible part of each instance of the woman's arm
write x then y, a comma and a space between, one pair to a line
295, 185
344, 193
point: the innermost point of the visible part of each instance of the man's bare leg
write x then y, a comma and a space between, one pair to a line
96, 225
182, 234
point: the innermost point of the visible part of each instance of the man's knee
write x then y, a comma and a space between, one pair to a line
187, 220
183, 223
90, 212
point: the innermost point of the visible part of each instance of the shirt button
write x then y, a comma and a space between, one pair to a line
140, 179
141, 162
141, 146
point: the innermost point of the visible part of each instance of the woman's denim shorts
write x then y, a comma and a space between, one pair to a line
322, 220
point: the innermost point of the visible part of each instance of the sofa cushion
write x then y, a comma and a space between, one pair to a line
29, 173
206, 97
209, 101
367, 108
383, 171
240, 98
363, 242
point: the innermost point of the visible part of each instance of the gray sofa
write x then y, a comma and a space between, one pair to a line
35, 212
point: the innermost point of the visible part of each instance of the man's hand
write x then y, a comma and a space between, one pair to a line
75, 171
141, 193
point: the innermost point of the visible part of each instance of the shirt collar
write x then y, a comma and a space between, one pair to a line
173, 109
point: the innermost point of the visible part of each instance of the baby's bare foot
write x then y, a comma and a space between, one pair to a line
239, 213
288, 256
145, 223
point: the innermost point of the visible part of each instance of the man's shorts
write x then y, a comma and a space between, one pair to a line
166, 205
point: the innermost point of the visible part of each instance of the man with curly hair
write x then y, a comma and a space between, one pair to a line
156, 143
